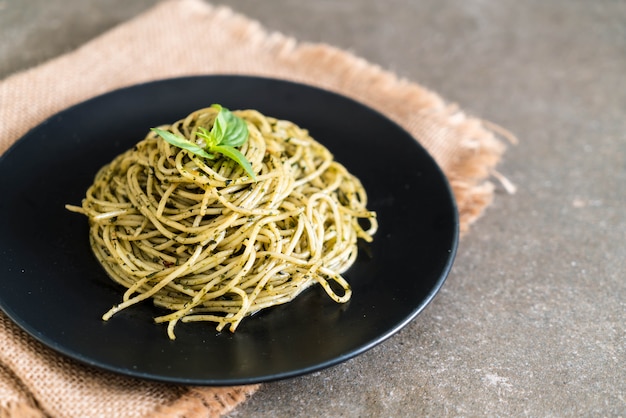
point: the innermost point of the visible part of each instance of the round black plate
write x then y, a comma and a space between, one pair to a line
52, 286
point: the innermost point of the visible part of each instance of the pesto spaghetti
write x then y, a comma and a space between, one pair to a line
219, 235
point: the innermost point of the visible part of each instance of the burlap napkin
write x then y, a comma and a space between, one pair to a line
34, 381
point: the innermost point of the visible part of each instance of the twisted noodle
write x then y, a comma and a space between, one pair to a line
203, 240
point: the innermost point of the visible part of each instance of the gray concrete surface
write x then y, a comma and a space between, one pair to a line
531, 322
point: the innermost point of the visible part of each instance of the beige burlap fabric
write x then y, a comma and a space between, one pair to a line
34, 381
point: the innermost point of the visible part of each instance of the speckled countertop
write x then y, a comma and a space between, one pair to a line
532, 319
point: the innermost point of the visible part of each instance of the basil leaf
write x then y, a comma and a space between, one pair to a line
235, 155
236, 131
180, 142
219, 131
209, 138
228, 131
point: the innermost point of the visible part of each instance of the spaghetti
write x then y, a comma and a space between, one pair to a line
205, 241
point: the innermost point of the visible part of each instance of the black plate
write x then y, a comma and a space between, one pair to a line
52, 286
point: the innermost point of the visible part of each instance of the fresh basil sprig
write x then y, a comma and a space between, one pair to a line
228, 131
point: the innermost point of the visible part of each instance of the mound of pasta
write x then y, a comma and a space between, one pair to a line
209, 239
